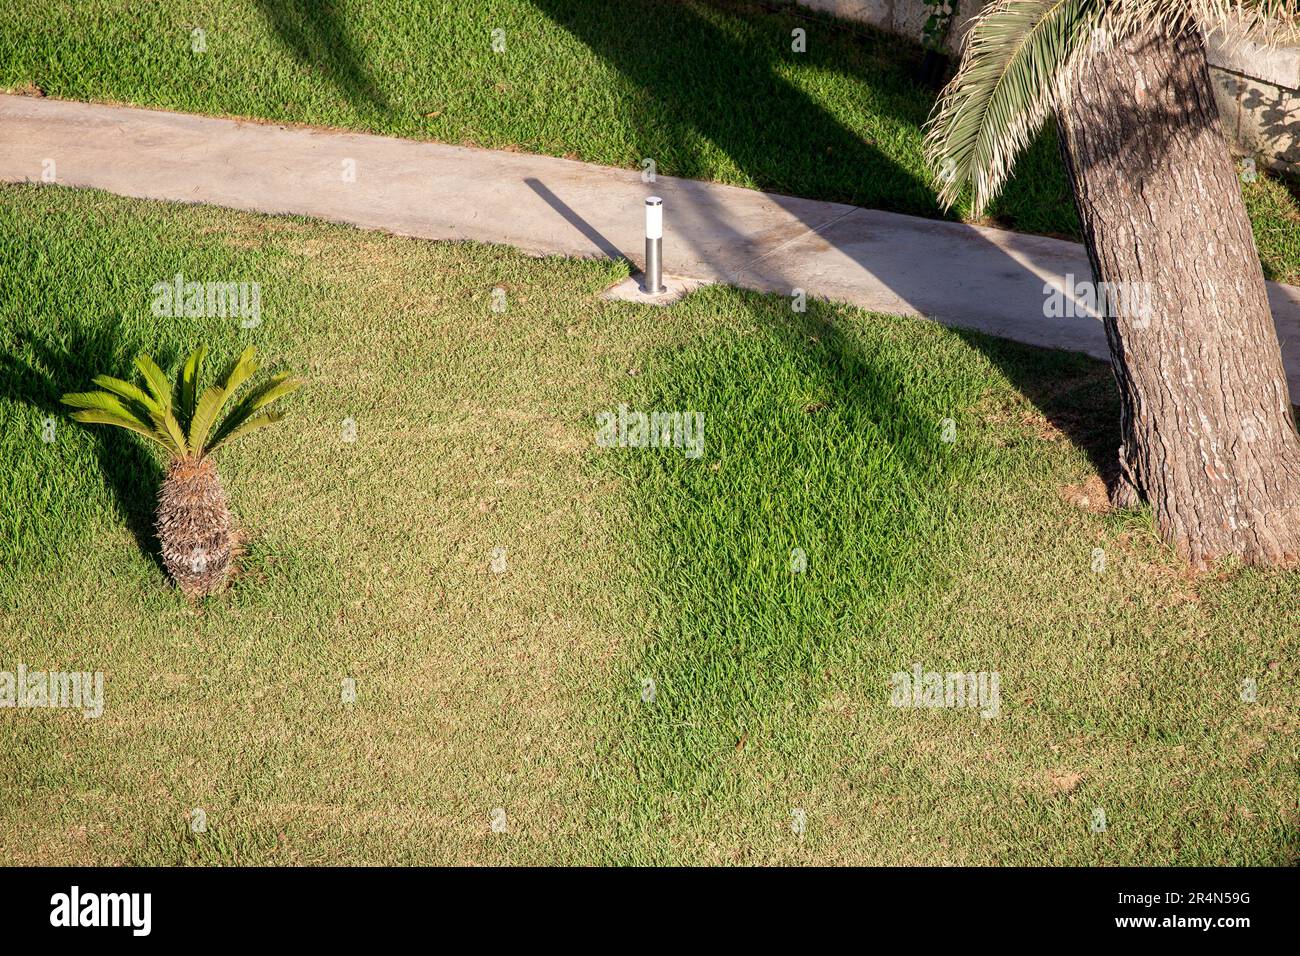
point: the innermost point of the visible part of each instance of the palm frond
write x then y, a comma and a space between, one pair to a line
1266, 22
274, 388
151, 413
210, 404
188, 381
98, 416
156, 381
164, 417
104, 402
1020, 53
242, 369
1017, 52
205, 414
125, 406
128, 391
268, 417
166, 423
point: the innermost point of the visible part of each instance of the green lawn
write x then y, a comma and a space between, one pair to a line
524, 690
717, 95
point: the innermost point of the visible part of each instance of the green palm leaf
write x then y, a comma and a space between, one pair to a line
151, 413
105, 408
274, 388
250, 425
95, 416
242, 369
1019, 55
156, 381
209, 405
166, 423
189, 384
105, 402
127, 390
1016, 55
163, 416
204, 415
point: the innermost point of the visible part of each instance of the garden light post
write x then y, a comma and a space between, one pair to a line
654, 243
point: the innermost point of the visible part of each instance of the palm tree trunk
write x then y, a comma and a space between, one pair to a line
1208, 434
195, 527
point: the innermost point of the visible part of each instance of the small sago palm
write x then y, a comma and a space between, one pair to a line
195, 527
1206, 429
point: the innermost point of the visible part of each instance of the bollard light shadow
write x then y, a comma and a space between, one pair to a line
593, 235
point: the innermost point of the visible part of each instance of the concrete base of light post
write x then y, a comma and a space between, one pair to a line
632, 289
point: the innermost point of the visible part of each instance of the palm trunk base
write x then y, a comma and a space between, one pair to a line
196, 528
1123, 492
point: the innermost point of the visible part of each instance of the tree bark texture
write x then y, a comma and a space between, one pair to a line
1208, 436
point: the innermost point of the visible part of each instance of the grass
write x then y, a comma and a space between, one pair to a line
523, 690
719, 95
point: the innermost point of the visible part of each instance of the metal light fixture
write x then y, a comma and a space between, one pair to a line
654, 245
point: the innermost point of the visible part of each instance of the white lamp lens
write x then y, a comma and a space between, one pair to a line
654, 221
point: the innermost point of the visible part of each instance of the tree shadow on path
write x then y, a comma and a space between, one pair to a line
726, 87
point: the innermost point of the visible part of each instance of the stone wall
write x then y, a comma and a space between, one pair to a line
1258, 89
904, 17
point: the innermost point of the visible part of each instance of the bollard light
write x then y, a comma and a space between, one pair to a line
654, 245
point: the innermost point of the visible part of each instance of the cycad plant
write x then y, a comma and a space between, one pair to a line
195, 527
1208, 438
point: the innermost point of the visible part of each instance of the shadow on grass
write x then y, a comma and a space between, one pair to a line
726, 86
314, 33
37, 368
814, 440
701, 82
1074, 392
718, 74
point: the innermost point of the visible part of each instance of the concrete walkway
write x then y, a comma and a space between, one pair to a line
985, 279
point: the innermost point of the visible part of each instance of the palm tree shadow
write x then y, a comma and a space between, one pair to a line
313, 32
739, 583
37, 370
1075, 393
724, 87
702, 82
